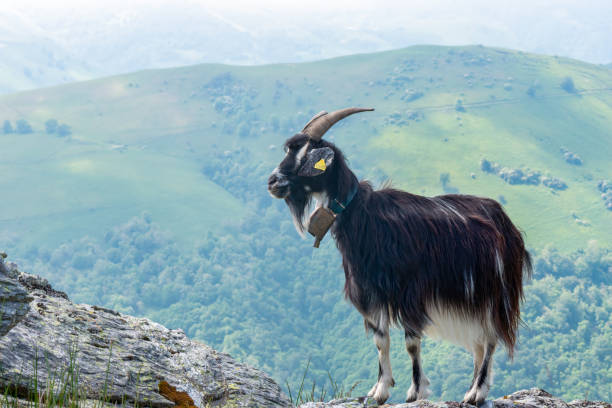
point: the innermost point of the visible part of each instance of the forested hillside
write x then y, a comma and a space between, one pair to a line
154, 203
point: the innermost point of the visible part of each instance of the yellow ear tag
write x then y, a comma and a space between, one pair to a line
320, 165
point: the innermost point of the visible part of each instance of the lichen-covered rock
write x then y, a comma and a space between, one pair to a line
121, 359
532, 398
14, 298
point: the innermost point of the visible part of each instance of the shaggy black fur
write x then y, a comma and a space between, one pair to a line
407, 251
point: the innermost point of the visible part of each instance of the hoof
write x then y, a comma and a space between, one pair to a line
470, 397
411, 395
424, 392
380, 392
476, 396
381, 396
365, 399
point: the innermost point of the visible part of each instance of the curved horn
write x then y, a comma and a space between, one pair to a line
322, 121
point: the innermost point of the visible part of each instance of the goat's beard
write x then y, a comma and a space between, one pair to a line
299, 202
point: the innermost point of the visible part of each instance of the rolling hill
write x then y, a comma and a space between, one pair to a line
138, 141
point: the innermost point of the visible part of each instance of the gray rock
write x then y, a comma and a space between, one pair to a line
120, 358
532, 398
14, 299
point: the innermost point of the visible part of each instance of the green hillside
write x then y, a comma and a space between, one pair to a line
156, 203
138, 140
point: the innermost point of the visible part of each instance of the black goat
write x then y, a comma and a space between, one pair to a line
450, 266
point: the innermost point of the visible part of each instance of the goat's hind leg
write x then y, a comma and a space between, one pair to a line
482, 374
478, 356
379, 324
419, 389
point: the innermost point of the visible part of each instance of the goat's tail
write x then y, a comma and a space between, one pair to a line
515, 264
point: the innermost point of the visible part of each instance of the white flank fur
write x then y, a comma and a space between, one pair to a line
457, 327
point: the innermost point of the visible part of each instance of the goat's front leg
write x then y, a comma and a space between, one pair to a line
380, 326
419, 389
482, 380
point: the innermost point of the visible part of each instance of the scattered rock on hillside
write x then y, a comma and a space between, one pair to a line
137, 361
532, 398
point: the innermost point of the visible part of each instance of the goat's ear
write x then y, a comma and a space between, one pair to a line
317, 161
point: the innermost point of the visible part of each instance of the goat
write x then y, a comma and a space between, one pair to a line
450, 266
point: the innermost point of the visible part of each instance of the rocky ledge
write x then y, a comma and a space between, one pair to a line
118, 359
105, 358
532, 398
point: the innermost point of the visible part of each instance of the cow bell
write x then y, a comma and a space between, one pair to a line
320, 221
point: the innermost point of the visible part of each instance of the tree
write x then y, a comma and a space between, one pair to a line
64, 130
459, 106
568, 85
531, 91
51, 126
23, 126
444, 178
7, 127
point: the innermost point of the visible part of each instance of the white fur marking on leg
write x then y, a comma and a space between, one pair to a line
422, 391
478, 394
379, 321
386, 379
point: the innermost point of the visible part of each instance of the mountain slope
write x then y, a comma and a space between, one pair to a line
138, 141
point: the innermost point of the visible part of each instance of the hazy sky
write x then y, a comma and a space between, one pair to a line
580, 29
58, 41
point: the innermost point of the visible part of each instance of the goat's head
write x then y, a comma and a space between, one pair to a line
311, 165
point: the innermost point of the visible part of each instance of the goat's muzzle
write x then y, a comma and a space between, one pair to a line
278, 185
